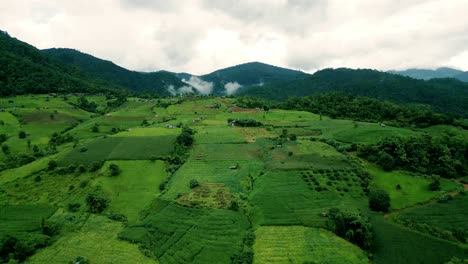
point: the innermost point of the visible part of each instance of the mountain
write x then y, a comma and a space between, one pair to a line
444, 95
153, 82
425, 74
462, 76
24, 69
249, 74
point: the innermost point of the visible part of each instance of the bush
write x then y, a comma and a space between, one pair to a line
435, 184
22, 134
95, 166
52, 164
114, 169
353, 227
379, 200
96, 204
193, 183
74, 207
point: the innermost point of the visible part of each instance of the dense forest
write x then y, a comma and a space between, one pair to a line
146, 82
443, 95
23, 69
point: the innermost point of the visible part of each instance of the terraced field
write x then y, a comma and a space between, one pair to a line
236, 195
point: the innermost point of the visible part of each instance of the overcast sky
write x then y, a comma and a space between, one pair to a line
199, 36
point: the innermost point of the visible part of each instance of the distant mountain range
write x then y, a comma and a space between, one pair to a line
25, 69
426, 74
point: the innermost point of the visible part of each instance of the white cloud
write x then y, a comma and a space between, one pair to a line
231, 87
200, 36
201, 86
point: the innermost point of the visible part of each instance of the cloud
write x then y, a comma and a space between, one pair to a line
200, 36
231, 87
180, 90
201, 86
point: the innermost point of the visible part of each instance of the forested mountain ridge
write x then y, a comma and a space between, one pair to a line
444, 95
152, 82
427, 74
250, 74
24, 69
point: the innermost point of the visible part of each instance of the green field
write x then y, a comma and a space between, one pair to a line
176, 234
120, 148
134, 189
396, 244
236, 195
414, 189
96, 240
298, 244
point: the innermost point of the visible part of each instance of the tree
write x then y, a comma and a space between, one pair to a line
22, 134
114, 169
3, 138
52, 164
435, 184
354, 227
6, 149
379, 200
96, 203
193, 183
95, 128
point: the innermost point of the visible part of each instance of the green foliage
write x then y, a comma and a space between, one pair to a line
444, 156
3, 138
52, 164
24, 69
343, 106
244, 122
353, 227
96, 203
108, 72
22, 134
379, 200
444, 95
435, 184
114, 169
193, 183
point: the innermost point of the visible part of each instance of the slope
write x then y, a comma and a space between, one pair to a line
427, 74
444, 95
248, 74
154, 82
23, 69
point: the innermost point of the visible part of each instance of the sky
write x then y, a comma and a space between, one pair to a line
200, 36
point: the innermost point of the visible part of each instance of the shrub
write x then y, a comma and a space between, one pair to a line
353, 227
96, 204
114, 169
52, 164
379, 200
81, 169
193, 183
435, 184
22, 134
95, 166
74, 207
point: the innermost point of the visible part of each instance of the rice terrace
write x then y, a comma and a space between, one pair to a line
251, 163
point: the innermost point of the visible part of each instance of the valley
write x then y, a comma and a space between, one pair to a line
205, 179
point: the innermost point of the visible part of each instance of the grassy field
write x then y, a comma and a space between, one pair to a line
234, 182
298, 244
450, 216
96, 241
396, 244
414, 189
284, 198
176, 234
120, 148
134, 189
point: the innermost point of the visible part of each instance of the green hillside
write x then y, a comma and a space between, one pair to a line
425, 74
24, 69
151, 82
249, 74
444, 95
